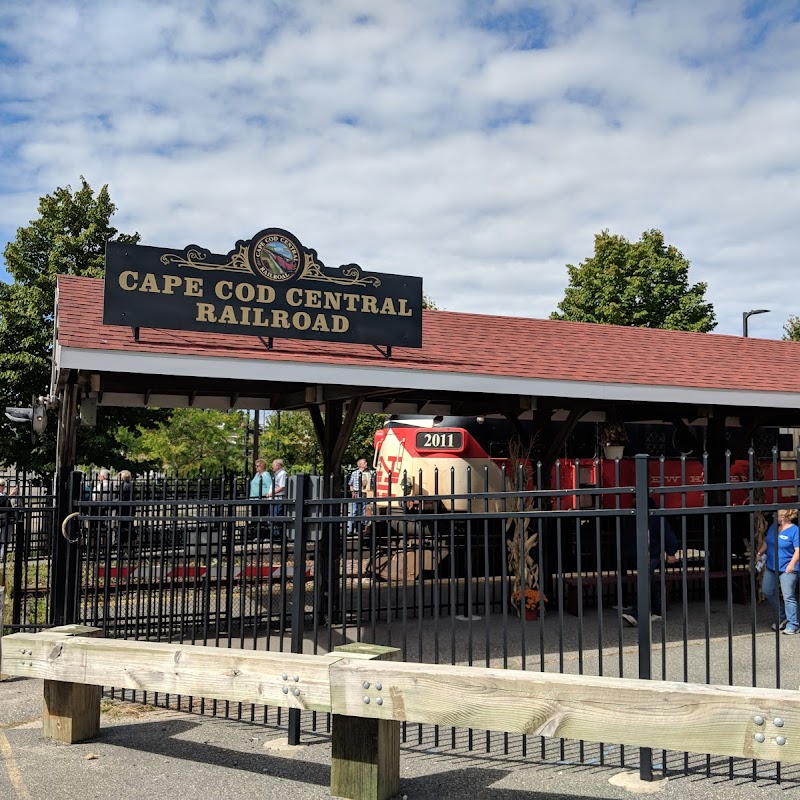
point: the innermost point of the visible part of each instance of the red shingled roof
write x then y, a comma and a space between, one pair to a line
479, 344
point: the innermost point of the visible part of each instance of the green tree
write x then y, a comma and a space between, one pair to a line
68, 237
192, 441
362, 441
290, 435
791, 330
643, 284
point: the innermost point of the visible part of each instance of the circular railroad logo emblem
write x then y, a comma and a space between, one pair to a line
276, 256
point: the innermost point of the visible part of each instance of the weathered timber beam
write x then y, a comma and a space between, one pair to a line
236, 675
658, 714
721, 720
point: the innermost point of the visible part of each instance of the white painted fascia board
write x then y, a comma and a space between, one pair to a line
387, 377
220, 402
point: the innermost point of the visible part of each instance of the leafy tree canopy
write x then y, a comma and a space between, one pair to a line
68, 237
643, 284
290, 435
195, 441
791, 330
191, 442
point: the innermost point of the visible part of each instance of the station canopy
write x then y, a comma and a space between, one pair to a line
467, 364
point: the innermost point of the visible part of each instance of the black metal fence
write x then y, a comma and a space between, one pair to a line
578, 578
26, 538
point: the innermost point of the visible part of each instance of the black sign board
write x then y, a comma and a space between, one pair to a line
440, 439
268, 286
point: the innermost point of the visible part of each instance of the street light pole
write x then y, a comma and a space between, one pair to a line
747, 314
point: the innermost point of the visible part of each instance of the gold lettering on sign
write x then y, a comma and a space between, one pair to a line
149, 284
228, 316
194, 287
369, 305
280, 319
125, 279
205, 313
260, 317
332, 301
245, 292
171, 282
313, 298
224, 290
301, 321
160, 284
266, 294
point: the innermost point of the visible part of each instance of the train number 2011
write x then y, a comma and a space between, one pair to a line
440, 440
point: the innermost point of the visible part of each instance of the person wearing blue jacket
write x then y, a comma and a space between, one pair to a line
779, 554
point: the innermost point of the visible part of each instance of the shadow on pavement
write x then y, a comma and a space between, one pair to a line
165, 738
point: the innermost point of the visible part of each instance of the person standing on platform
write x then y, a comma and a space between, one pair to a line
780, 553
260, 490
102, 487
655, 551
125, 495
360, 484
102, 495
279, 481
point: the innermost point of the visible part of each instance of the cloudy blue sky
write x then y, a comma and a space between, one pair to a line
480, 144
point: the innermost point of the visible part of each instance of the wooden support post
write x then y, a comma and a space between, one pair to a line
365, 753
71, 711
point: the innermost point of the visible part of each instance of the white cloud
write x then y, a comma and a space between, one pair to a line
482, 152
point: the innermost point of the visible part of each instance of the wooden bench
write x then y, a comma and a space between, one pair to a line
369, 695
587, 583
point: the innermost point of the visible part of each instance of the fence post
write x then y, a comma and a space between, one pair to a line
643, 596
19, 576
298, 587
227, 490
65, 578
